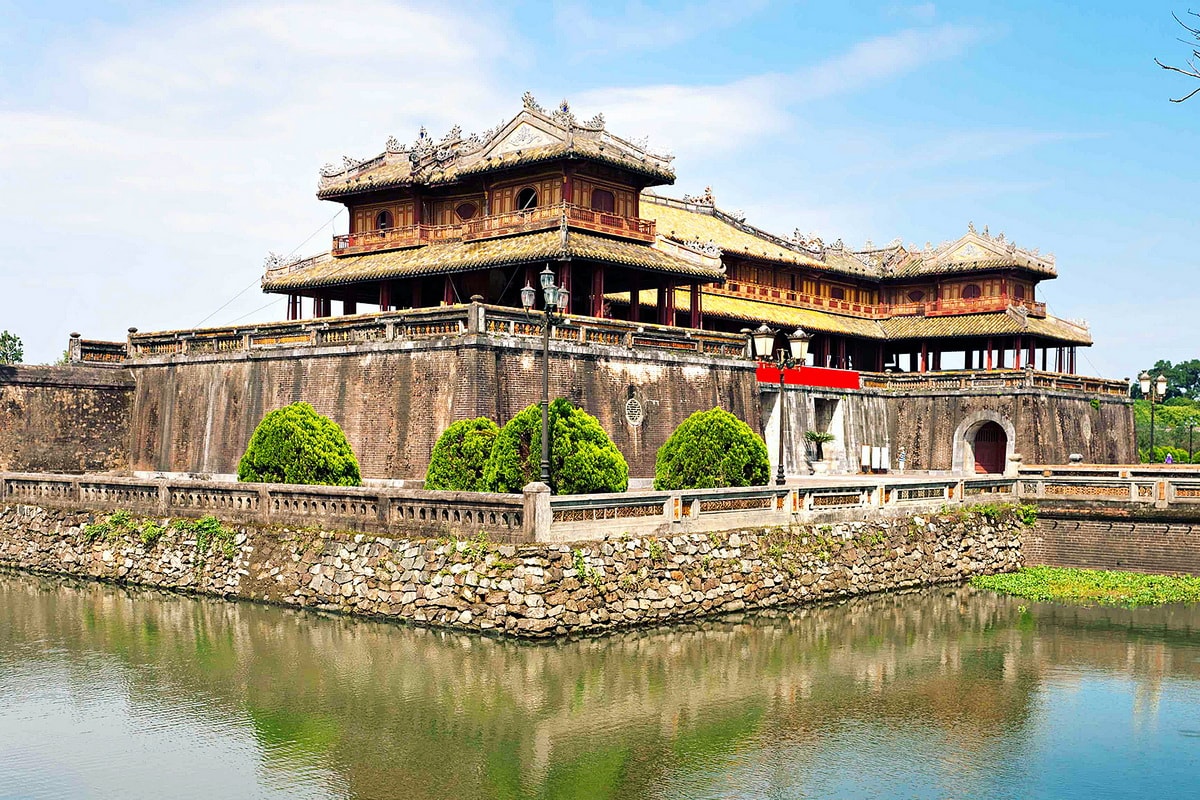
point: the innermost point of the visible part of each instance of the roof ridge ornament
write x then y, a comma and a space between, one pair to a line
531, 104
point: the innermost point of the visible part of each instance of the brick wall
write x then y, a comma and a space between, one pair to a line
196, 414
64, 419
1156, 546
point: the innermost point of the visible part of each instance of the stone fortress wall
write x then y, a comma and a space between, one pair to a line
187, 402
527, 591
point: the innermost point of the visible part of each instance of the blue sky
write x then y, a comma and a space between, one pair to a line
151, 154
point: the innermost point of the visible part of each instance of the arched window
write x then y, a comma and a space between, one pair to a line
1018, 292
916, 296
383, 220
971, 291
466, 211
526, 199
604, 201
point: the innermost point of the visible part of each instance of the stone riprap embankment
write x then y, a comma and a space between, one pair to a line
529, 591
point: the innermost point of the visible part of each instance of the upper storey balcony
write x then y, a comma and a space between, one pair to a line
930, 308
494, 226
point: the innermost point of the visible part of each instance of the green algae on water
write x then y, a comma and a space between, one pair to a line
1093, 587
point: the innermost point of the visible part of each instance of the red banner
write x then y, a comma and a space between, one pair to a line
821, 377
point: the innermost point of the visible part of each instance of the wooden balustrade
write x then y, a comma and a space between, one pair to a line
494, 225
992, 379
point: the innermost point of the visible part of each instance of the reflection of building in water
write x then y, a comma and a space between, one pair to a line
404, 710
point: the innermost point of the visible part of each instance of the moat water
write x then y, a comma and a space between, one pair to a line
114, 693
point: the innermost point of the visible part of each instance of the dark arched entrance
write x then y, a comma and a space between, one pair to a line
989, 445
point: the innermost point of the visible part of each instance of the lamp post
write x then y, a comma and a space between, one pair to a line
1160, 390
762, 342
555, 300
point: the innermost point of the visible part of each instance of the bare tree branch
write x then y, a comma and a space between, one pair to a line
1193, 71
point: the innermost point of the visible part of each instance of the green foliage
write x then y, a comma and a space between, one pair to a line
476, 549
460, 455
996, 513
150, 533
1183, 379
96, 530
583, 459
587, 573
655, 548
295, 444
1093, 587
208, 532
820, 439
711, 449
1095, 403
1176, 425
12, 351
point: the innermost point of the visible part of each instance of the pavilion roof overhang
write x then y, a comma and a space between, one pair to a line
1001, 323
465, 256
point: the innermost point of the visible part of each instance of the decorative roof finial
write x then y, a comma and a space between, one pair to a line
530, 103
971, 227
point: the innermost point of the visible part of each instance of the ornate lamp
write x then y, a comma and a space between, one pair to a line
528, 297
1160, 385
564, 300
798, 342
764, 342
1144, 383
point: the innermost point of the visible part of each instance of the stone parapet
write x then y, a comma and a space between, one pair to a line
527, 591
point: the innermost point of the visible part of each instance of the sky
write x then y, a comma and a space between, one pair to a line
153, 154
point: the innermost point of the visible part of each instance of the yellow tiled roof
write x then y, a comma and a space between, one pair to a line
999, 323
696, 223
453, 257
756, 311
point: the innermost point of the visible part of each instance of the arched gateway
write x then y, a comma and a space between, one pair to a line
989, 446
983, 443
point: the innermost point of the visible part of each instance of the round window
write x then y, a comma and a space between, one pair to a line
633, 411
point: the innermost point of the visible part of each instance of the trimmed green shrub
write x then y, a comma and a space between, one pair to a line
460, 455
583, 459
711, 449
295, 444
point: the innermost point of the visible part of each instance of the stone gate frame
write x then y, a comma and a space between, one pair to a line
964, 437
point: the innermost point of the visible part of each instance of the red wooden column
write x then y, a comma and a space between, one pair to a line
670, 303
293, 307
969, 358
989, 353
635, 296
566, 271
697, 312
1045, 354
1073, 350
385, 296
924, 357
417, 300
598, 290
448, 292
842, 352
568, 185
1017, 354
349, 307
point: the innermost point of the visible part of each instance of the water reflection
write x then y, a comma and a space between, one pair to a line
132, 693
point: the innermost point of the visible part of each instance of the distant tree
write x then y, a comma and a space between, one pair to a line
1183, 379
12, 351
1192, 70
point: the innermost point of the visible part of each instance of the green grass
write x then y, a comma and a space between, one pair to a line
1093, 587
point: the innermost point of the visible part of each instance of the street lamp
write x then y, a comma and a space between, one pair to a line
763, 341
556, 302
1160, 391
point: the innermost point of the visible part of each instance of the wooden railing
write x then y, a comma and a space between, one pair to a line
434, 323
494, 225
98, 353
775, 294
957, 380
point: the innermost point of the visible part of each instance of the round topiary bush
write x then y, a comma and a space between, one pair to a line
583, 459
460, 455
711, 449
295, 444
